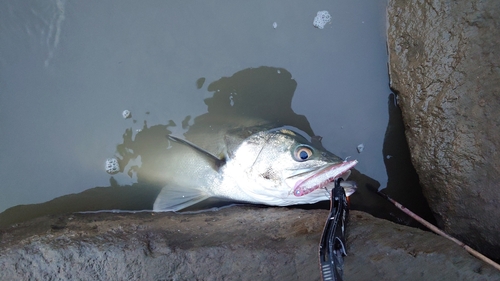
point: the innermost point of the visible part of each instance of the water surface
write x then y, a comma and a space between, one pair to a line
69, 68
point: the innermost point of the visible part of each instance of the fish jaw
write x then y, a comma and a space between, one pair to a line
323, 177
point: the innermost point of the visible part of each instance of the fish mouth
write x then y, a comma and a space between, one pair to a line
323, 177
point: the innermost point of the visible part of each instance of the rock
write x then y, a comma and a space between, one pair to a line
236, 243
445, 67
382, 250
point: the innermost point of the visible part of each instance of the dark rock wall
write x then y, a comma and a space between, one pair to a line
445, 67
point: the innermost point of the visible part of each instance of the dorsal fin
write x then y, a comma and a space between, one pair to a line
218, 162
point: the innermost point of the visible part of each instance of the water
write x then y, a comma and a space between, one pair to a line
69, 68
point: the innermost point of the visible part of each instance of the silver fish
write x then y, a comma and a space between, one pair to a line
276, 167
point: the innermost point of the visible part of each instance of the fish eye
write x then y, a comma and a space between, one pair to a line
302, 153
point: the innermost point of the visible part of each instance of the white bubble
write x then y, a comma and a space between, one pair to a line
112, 166
322, 18
275, 25
360, 148
126, 114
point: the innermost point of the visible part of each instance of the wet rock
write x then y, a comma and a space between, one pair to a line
445, 67
236, 243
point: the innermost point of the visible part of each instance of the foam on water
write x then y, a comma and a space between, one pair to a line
322, 18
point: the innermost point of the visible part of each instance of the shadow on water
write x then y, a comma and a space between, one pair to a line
403, 183
255, 93
248, 98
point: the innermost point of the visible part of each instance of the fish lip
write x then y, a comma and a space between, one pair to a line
336, 170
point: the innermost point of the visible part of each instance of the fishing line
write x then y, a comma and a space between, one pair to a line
435, 229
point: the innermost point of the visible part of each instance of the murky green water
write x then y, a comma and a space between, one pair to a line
69, 68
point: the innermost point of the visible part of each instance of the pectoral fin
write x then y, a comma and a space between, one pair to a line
174, 198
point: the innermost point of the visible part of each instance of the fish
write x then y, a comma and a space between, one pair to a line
276, 167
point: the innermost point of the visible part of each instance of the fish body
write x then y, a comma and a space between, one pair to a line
276, 167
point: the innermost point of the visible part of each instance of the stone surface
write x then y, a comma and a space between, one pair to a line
444, 66
236, 243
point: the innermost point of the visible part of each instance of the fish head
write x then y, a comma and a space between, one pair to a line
284, 168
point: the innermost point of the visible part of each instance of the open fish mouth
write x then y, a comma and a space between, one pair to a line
323, 177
